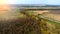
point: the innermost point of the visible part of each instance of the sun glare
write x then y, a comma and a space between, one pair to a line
4, 5
3, 2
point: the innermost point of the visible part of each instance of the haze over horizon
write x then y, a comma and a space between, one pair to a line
48, 2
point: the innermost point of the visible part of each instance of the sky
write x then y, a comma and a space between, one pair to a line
49, 2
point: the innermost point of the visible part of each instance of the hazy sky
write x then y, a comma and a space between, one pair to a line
52, 2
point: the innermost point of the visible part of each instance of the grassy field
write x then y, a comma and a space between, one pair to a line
33, 22
52, 24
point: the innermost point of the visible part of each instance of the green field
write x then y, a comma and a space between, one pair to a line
48, 25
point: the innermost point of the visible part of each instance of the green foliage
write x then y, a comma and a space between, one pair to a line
47, 26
